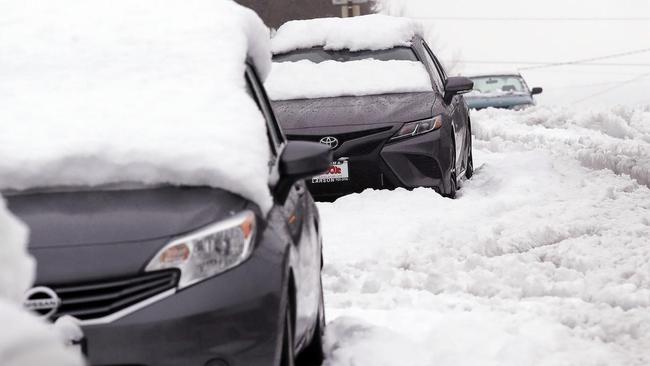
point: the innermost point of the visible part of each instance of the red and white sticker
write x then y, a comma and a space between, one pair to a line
338, 172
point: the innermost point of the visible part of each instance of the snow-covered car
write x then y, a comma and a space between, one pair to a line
508, 90
371, 89
167, 212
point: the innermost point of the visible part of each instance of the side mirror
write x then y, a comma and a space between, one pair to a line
536, 90
457, 85
300, 160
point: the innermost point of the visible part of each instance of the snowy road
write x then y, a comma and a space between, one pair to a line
544, 259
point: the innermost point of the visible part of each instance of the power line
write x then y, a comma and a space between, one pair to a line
617, 86
540, 19
546, 63
586, 60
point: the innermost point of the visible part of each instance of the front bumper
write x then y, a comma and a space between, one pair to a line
233, 317
377, 163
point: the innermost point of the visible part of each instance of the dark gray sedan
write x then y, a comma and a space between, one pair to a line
169, 275
385, 141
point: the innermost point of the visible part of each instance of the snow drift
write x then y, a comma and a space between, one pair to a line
307, 79
542, 260
24, 339
97, 92
369, 32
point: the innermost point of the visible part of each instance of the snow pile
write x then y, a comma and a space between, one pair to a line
307, 79
617, 139
24, 339
369, 32
542, 260
147, 91
16, 265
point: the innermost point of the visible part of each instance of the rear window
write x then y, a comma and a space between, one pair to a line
318, 55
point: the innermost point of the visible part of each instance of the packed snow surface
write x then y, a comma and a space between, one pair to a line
307, 79
108, 91
543, 259
369, 32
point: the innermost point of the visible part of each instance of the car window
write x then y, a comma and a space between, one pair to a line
255, 89
437, 78
499, 84
318, 55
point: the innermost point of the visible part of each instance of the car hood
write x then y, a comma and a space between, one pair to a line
83, 218
503, 101
348, 111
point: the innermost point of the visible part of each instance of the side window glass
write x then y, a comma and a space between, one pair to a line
441, 70
254, 87
437, 79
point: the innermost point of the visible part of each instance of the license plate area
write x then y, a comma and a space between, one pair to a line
339, 171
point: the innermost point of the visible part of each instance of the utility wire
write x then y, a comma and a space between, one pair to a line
586, 60
542, 19
617, 86
546, 63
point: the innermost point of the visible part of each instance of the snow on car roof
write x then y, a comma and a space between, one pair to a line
305, 79
148, 91
369, 32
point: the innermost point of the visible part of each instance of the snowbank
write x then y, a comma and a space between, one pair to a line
306, 79
16, 265
148, 91
542, 260
24, 339
369, 32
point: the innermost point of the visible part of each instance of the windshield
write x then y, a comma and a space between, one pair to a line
318, 55
507, 84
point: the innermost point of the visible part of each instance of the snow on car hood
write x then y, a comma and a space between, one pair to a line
369, 32
305, 79
148, 91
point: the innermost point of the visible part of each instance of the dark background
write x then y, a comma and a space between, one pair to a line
276, 12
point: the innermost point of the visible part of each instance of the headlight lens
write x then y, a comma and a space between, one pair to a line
418, 127
209, 251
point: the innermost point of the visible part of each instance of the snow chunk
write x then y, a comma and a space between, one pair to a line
16, 265
369, 32
148, 91
27, 340
306, 79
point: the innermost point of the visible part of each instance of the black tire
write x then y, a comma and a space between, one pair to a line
288, 353
469, 167
313, 354
453, 186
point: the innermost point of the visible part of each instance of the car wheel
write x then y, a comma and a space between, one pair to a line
469, 170
313, 354
452, 175
288, 352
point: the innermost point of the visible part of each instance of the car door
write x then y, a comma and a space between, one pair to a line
300, 221
456, 111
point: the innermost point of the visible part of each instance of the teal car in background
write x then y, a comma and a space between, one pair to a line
508, 91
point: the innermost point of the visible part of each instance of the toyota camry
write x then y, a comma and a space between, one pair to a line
372, 90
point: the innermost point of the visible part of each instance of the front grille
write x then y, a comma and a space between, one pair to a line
94, 300
342, 137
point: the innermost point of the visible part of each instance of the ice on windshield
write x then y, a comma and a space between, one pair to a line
498, 85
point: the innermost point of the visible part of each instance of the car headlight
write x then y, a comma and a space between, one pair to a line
209, 251
418, 127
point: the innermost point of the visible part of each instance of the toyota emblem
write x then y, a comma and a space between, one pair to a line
42, 300
330, 141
